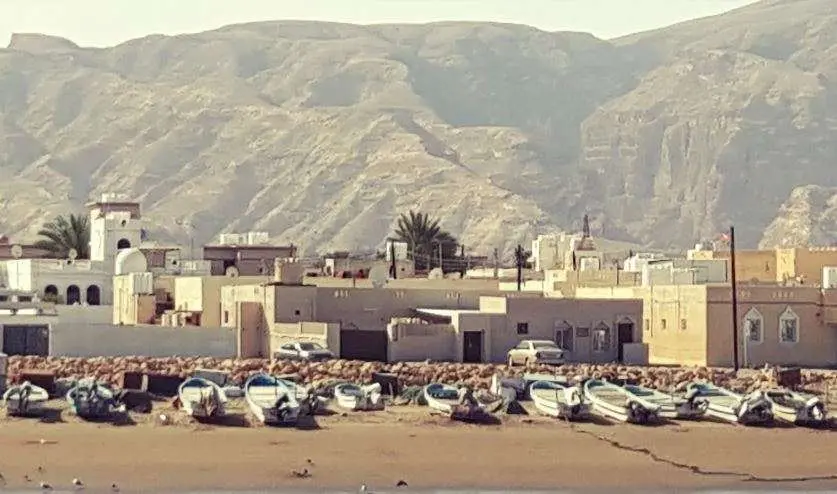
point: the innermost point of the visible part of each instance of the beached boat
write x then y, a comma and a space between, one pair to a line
615, 402
443, 398
271, 400
797, 408
724, 404
25, 399
91, 400
690, 406
359, 398
201, 398
559, 400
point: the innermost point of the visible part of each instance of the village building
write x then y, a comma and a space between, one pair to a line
245, 254
445, 323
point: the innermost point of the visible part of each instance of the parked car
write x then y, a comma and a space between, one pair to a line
303, 350
531, 352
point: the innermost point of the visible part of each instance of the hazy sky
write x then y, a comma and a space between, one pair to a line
109, 22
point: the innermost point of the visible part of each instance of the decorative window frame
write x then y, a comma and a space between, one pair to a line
596, 343
754, 315
568, 333
788, 315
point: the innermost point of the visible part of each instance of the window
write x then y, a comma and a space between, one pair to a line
226, 316
647, 325
753, 327
296, 312
288, 346
683, 325
662, 324
601, 338
788, 327
582, 332
564, 335
544, 345
523, 345
523, 328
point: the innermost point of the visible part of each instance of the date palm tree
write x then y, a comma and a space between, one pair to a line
424, 237
65, 233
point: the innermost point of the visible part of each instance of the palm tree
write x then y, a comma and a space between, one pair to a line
65, 233
424, 236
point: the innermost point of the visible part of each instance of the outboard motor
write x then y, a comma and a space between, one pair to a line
638, 413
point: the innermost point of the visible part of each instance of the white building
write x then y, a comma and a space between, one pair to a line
115, 224
637, 262
550, 251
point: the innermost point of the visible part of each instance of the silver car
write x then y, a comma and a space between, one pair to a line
532, 352
303, 350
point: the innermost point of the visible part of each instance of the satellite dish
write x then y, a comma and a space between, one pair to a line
232, 272
72, 254
16, 251
436, 274
378, 276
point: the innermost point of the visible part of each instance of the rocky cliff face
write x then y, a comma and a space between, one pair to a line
323, 133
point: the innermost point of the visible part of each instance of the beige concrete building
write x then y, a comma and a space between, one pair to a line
798, 265
692, 325
457, 320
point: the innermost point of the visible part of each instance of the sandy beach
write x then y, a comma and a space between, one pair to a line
407, 443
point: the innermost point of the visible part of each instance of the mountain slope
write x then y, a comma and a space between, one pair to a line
323, 133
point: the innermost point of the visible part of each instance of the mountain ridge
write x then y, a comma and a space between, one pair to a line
323, 133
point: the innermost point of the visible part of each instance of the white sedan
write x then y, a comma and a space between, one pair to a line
532, 352
303, 350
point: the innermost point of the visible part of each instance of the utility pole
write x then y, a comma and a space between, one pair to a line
734, 298
519, 259
496, 263
393, 266
440, 257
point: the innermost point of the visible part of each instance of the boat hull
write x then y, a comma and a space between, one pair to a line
15, 408
615, 403
810, 414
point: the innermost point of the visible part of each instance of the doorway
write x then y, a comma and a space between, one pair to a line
472, 347
625, 335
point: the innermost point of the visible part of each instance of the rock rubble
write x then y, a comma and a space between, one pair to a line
111, 370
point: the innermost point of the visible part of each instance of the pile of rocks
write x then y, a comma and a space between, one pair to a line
111, 369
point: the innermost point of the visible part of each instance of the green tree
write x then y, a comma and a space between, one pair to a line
424, 237
65, 233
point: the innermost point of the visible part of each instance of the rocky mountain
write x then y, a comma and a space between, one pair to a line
323, 133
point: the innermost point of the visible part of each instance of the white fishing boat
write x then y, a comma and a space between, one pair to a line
201, 398
446, 399
797, 408
25, 399
615, 402
359, 398
271, 400
752, 409
559, 400
441, 397
90, 399
690, 406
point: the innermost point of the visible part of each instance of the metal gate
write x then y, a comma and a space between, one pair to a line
22, 339
359, 344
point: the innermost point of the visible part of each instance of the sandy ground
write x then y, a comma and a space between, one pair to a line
344, 450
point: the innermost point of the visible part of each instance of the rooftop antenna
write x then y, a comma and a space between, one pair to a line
378, 276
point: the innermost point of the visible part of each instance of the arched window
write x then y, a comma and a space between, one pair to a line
94, 295
753, 327
601, 338
788, 327
123, 243
73, 295
51, 294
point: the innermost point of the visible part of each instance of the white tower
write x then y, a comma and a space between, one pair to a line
115, 224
